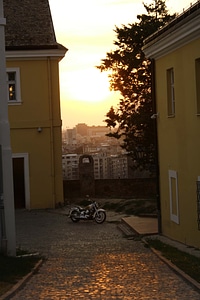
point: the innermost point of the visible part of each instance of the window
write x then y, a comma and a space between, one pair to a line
13, 85
173, 194
86, 160
197, 71
170, 92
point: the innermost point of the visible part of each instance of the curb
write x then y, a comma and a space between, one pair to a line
127, 225
21, 283
126, 230
187, 278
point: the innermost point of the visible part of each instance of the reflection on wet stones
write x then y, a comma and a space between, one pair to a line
91, 261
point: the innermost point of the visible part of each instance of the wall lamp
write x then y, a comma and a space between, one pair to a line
155, 116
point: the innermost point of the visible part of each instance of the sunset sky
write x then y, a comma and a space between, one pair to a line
86, 28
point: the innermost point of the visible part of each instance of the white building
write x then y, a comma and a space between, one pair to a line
105, 167
70, 165
118, 166
100, 166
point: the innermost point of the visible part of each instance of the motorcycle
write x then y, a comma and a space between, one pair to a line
90, 212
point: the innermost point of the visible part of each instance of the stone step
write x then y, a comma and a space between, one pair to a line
125, 229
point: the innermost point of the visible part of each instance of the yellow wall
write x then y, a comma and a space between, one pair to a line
179, 142
40, 107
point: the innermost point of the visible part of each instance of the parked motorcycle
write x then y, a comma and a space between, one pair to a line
90, 212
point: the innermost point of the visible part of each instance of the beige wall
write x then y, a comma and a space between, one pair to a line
179, 142
40, 107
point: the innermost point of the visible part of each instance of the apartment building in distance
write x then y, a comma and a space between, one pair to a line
105, 166
89, 139
111, 161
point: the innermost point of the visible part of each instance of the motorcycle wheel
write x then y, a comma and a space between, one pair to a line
74, 216
100, 217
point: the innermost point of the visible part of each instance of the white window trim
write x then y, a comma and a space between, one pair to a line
26, 176
171, 93
198, 204
173, 217
18, 89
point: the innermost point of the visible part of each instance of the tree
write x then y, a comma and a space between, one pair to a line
131, 76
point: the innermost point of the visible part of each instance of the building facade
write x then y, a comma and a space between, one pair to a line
70, 166
175, 53
105, 166
32, 58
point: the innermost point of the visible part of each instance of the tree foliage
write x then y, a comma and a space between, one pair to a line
131, 76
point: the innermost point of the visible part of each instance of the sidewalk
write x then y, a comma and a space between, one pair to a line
142, 226
149, 227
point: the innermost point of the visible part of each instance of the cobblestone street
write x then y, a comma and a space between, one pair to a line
90, 261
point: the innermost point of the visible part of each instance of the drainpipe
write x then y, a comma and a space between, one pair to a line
3, 240
51, 131
7, 222
153, 93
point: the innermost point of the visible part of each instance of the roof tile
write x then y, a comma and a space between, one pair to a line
28, 24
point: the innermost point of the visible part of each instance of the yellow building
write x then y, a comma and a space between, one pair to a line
32, 61
175, 54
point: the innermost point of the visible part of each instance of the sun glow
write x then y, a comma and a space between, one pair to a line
87, 85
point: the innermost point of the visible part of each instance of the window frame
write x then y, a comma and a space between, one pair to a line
198, 201
17, 86
173, 196
197, 75
170, 93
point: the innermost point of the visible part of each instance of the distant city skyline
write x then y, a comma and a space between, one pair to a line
86, 28
80, 123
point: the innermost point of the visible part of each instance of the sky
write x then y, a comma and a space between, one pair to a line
86, 29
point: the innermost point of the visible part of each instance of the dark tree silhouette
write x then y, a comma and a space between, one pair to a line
131, 76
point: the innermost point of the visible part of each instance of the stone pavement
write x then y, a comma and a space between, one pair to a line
89, 261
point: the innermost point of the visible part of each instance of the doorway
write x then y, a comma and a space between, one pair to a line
19, 182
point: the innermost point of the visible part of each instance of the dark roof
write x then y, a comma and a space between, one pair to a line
187, 15
29, 25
